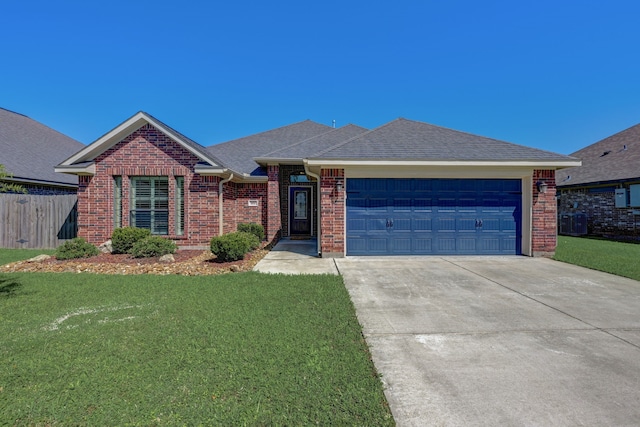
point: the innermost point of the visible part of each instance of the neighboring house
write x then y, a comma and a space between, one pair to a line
602, 197
406, 187
29, 150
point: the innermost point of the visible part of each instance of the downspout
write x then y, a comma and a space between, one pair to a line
318, 207
221, 204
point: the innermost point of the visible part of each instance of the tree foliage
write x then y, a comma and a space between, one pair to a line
9, 187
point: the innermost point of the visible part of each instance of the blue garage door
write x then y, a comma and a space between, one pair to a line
434, 216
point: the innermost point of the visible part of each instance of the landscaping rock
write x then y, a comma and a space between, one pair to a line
39, 258
167, 258
106, 247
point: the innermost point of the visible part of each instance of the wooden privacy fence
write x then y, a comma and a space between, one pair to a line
37, 222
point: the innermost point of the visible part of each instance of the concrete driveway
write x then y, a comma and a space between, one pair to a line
499, 340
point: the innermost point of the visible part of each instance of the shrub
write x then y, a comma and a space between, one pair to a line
233, 246
153, 246
123, 239
76, 248
253, 228
252, 239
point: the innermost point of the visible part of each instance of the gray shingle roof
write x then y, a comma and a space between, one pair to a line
238, 154
30, 150
317, 144
619, 163
404, 139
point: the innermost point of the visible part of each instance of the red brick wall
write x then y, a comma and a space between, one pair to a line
273, 219
236, 204
544, 218
332, 213
147, 152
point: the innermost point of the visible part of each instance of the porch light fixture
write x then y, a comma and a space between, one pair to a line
542, 186
339, 185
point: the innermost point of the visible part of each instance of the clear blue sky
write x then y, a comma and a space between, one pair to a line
551, 74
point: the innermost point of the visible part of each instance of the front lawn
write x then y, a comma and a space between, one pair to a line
235, 349
613, 257
12, 255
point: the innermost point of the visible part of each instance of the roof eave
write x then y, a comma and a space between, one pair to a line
264, 161
553, 164
89, 169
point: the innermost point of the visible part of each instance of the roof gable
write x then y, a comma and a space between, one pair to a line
614, 158
29, 150
84, 157
238, 154
404, 139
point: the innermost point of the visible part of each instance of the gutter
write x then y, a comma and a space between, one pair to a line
221, 203
318, 207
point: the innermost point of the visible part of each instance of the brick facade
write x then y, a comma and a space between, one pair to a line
273, 221
599, 206
544, 218
332, 213
147, 152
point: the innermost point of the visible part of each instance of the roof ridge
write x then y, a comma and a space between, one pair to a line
313, 137
356, 136
266, 131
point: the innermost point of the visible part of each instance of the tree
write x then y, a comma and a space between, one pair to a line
9, 187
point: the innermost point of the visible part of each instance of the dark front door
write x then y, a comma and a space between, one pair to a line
300, 211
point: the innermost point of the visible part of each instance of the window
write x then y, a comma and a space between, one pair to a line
150, 203
179, 205
117, 201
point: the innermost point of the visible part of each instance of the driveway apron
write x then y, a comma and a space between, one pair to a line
499, 340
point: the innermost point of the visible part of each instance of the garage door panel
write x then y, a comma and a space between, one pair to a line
433, 216
422, 224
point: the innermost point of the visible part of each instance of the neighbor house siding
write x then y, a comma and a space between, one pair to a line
599, 206
147, 152
544, 214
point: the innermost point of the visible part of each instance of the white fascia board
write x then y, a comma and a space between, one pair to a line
40, 182
74, 170
480, 163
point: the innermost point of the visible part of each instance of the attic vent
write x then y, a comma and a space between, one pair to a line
605, 153
567, 178
624, 147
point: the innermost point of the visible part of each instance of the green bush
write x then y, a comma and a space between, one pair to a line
123, 239
233, 246
153, 246
252, 239
253, 228
76, 248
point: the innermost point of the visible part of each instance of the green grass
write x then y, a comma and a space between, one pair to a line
613, 257
12, 255
237, 349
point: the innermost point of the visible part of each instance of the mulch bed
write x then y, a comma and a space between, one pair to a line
187, 263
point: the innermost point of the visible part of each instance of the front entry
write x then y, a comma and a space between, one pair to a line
300, 217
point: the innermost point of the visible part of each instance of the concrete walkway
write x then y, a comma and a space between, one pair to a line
296, 257
491, 340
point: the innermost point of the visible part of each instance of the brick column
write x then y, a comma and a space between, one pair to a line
332, 211
274, 223
544, 218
